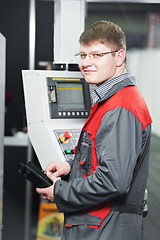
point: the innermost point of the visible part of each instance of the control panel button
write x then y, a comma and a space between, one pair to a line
65, 137
68, 151
68, 135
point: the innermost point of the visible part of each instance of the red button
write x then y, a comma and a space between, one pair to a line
68, 135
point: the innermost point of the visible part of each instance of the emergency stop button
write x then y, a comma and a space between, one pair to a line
65, 137
68, 135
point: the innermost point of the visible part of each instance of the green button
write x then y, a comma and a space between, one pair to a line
68, 151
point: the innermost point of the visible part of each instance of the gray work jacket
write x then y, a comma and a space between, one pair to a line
122, 148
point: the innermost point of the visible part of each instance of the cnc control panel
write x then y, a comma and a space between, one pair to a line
57, 106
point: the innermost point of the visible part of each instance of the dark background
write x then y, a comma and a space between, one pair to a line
14, 25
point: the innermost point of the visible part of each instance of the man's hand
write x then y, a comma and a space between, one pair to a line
53, 171
47, 193
58, 169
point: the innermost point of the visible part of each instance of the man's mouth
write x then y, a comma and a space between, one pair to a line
89, 71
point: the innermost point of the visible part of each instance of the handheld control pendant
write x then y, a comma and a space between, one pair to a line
34, 174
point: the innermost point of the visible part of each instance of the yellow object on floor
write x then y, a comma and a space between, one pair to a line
50, 222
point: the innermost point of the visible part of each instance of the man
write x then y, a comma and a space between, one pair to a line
103, 199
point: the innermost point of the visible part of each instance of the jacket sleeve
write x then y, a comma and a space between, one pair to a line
118, 145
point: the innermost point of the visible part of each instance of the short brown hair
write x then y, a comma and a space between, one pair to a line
105, 32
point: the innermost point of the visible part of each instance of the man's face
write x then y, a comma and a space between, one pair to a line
97, 70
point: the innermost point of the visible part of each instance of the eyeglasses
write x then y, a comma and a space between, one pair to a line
93, 55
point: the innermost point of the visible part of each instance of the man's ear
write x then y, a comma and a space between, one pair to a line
120, 57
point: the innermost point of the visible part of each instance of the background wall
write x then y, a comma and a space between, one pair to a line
131, 17
144, 65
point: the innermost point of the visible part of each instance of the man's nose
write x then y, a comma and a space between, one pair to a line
87, 60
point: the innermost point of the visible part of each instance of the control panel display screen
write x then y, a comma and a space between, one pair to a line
70, 96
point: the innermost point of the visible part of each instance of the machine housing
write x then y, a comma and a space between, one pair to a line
56, 102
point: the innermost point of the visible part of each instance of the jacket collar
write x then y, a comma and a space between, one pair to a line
127, 81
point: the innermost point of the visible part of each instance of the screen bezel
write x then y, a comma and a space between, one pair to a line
68, 113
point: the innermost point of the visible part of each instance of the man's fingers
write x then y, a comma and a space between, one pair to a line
58, 173
41, 191
52, 176
52, 167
